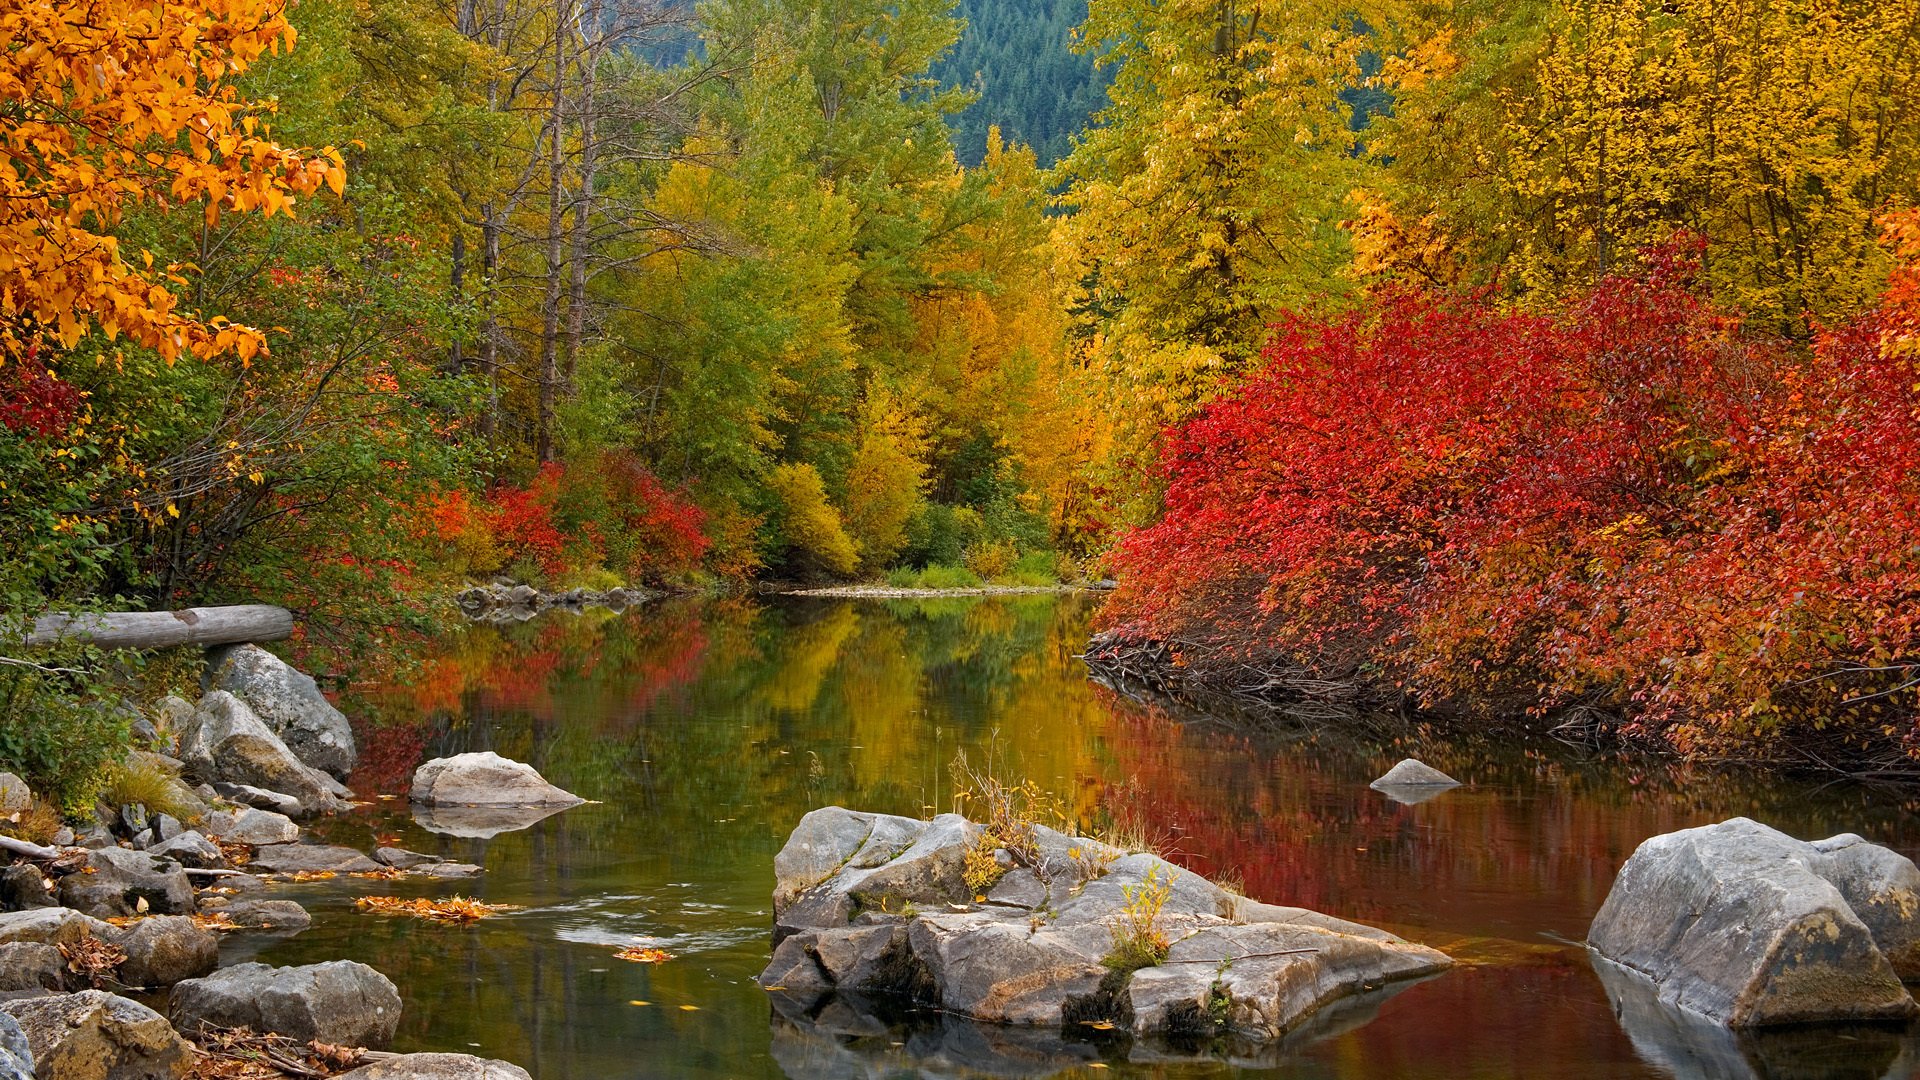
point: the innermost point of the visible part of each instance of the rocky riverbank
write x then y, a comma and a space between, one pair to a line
503, 602
136, 901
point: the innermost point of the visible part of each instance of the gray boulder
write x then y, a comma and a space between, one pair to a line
93, 1035
272, 916
225, 741
23, 886
16, 1057
166, 949
1741, 924
437, 1067
870, 904
192, 850
246, 825
339, 1002
310, 859
448, 870
485, 779
52, 926
123, 882
401, 858
15, 795
26, 965
290, 703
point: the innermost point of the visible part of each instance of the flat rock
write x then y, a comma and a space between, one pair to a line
290, 703
26, 965
400, 858
259, 798
250, 826
124, 882
1413, 773
310, 858
93, 1035
437, 1067
52, 926
485, 778
16, 1057
341, 1002
1740, 923
448, 870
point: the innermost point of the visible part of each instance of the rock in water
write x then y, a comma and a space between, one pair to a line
166, 949
16, 1057
290, 703
1411, 773
1749, 927
437, 1067
310, 859
877, 904
340, 1002
93, 1035
257, 828
485, 779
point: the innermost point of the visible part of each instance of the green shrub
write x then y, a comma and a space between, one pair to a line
903, 577
60, 732
948, 577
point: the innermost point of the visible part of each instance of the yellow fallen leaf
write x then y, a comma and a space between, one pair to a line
1099, 1025
689, 1008
643, 956
637, 1001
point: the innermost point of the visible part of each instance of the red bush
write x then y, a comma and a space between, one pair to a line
33, 401
1632, 503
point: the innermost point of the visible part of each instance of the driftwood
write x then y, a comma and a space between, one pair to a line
160, 629
15, 846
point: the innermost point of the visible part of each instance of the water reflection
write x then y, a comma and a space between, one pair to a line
706, 729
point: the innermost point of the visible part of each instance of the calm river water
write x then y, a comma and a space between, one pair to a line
704, 730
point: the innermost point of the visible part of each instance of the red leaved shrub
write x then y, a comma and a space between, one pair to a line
1631, 503
606, 512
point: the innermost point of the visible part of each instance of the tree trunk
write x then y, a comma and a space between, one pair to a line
161, 629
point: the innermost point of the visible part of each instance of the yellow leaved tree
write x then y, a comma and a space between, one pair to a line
106, 104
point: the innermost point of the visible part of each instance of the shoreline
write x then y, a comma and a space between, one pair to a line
889, 592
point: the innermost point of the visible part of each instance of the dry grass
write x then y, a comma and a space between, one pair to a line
36, 824
151, 785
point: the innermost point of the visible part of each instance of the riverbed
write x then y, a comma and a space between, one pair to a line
704, 729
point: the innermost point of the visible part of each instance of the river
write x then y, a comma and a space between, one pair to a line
705, 729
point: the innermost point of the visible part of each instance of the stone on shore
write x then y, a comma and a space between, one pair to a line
94, 1035
875, 904
340, 1002
54, 926
16, 1057
226, 741
27, 965
437, 1067
259, 798
192, 850
272, 916
289, 702
256, 828
124, 882
166, 949
485, 779
23, 886
1750, 927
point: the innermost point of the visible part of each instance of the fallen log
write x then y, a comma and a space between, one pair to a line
13, 846
160, 629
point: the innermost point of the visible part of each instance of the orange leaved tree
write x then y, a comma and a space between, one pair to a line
107, 103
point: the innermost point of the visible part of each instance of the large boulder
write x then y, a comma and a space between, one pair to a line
16, 1057
1750, 927
118, 881
437, 1067
226, 741
290, 703
340, 1002
870, 904
93, 1035
485, 778
190, 850
166, 949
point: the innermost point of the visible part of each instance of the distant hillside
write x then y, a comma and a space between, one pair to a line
1018, 55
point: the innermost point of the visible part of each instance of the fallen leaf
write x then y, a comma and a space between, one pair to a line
643, 956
